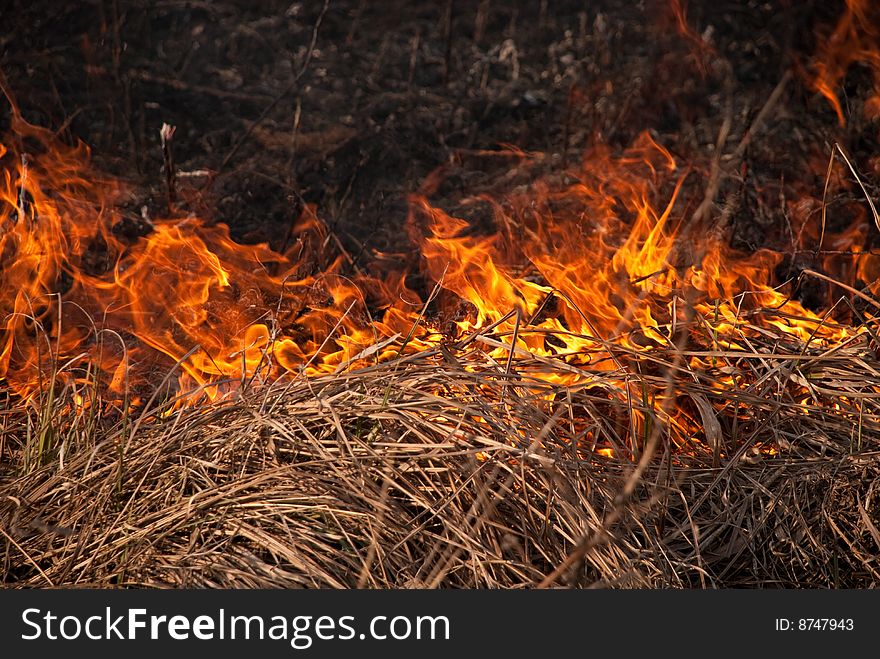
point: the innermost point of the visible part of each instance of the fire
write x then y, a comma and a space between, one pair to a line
77, 293
583, 280
854, 39
615, 285
700, 46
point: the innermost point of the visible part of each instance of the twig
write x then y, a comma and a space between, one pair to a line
861, 185
731, 162
758, 123
508, 367
166, 133
850, 289
824, 199
413, 58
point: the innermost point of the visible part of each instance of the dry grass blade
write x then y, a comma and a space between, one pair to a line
332, 481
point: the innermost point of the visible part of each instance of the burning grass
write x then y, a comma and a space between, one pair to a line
424, 472
600, 390
650, 421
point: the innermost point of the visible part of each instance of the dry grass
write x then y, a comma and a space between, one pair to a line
424, 472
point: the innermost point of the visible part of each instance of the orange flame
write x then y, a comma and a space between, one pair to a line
80, 298
606, 251
584, 272
856, 38
701, 49
70, 282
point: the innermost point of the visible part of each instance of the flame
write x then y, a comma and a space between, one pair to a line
75, 291
587, 279
606, 248
701, 49
854, 39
